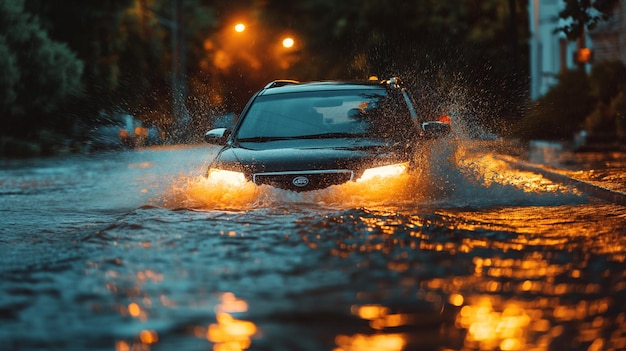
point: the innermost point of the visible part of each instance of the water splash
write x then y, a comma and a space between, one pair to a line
454, 172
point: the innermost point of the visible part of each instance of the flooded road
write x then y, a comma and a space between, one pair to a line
135, 251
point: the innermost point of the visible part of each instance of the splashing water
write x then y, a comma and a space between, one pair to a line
454, 172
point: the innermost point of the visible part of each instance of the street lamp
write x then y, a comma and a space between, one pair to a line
288, 42
287, 51
240, 27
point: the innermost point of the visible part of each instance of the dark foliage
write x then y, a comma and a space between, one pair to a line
83, 58
561, 112
583, 14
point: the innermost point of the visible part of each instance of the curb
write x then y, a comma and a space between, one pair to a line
598, 191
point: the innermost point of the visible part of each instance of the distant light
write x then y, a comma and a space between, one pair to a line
288, 42
240, 27
583, 55
445, 119
134, 310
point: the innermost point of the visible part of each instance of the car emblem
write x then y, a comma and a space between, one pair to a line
300, 181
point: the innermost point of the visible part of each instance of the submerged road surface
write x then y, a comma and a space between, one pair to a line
135, 251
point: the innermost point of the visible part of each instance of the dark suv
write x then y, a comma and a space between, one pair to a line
308, 136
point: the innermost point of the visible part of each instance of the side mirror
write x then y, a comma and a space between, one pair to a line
217, 136
435, 129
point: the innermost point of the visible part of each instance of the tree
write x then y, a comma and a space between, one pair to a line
608, 87
458, 52
584, 14
126, 47
39, 74
561, 112
93, 30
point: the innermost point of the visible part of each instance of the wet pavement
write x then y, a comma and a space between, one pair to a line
480, 250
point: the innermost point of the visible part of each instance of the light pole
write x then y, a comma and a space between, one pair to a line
180, 115
179, 89
287, 53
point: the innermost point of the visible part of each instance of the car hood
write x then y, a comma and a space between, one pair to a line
316, 154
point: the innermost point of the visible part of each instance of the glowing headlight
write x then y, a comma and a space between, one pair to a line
384, 171
231, 178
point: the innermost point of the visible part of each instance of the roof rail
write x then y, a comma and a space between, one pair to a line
280, 82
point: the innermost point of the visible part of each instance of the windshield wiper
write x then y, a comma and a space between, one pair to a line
332, 135
261, 139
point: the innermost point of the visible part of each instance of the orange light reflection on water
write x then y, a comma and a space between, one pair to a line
200, 192
371, 192
376, 342
490, 330
144, 340
489, 170
204, 193
522, 290
380, 318
229, 333
472, 169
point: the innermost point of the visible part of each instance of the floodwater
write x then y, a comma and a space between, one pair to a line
134, 250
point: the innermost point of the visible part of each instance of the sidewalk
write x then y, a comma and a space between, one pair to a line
600, 172
603, 168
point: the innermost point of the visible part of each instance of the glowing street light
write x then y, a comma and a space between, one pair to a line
240, 27
288, 42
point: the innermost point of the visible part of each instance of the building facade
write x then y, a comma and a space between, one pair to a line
609, 37
551, 52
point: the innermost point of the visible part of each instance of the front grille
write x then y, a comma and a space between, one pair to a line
303, 180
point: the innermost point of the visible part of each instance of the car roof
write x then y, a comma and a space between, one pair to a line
281, 87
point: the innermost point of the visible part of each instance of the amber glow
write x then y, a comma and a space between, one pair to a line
456, 300
288, 42
445, 119
524, 298
134, 310
227, 178
376, 342
230, 333
122, 345
371, 312
214, 192
493, 171
370, 192
231, 304
491, 329
149, 337
379, 318
383, 172
230, 190
240, 27
141, 132
377, 185
583, 55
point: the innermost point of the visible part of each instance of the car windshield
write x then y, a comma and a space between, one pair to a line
351, 113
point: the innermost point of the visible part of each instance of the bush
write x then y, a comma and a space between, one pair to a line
619, 107
607, 80
601, 123
38, 75
608, 86
595, 103
561, 112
